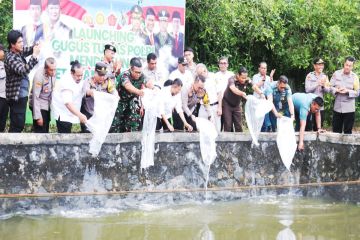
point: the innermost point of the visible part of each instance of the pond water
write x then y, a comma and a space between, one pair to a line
258, 218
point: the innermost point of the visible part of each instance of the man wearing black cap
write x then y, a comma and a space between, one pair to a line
178, 47
316, 82
33, 32
149, 26
41, 94
128, 113
163, 38
99, 82
113, 68
4, 108
181, 73
55, 29
189, 55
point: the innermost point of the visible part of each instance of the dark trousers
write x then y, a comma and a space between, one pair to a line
161, 124
4, 111
232, 117
178, 123
17, 114
343, 122
63, 127
266, 127
88, 115
311, 121
46, 121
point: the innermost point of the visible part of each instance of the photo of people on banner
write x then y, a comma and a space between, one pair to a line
69, 30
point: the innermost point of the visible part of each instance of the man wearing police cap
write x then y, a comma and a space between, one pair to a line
33, 32
316, 82
136, 24
113, 68
163, 38
99, 82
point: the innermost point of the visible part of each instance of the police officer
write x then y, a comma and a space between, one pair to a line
318, 83
163, 38
40, 96
113, 68
345, 88
136, 24
128, 113
99, 82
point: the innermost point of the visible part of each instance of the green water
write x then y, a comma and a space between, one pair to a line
250, 219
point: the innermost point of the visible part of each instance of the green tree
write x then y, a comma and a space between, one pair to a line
5, 19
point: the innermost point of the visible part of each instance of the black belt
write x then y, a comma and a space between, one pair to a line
215, 103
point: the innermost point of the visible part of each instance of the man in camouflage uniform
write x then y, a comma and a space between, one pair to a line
113, 68
99, 82
40, 96
127, 117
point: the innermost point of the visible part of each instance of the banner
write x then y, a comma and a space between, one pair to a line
78, 30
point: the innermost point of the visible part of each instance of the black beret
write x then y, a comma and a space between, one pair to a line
110, 47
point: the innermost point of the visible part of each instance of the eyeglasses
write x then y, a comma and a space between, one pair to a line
223, 63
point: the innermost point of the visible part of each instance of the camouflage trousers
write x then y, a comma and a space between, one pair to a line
127, 117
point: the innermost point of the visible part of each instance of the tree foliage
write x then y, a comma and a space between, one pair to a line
287, 34
5, 19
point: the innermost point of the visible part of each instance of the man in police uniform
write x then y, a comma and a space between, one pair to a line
316, 82
128, 113
345, 87
41, 94
99, 82
163, 38
113, 68
136, 24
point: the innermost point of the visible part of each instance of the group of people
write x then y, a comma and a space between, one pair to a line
148, 34
190, 91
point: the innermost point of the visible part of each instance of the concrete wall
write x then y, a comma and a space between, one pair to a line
53, 163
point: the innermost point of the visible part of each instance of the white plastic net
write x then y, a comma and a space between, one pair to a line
105, 105
255, 111
150, 103
208, 134
286, 140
